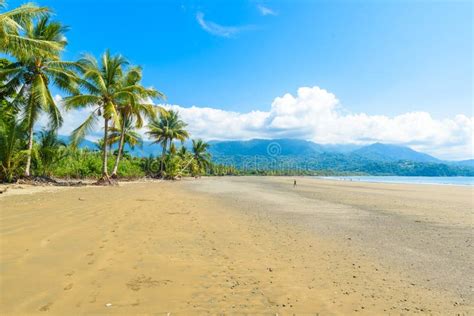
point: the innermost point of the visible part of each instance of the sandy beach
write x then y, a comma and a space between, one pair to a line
248, 245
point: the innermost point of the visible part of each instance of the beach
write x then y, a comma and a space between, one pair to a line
250, 245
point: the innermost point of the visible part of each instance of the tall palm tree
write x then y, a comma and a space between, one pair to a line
200, 153
165, 129
133, 108
103, 91
13, 24
32, 75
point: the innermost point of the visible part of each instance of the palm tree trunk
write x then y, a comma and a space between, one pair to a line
163, 152
120, 149
29, 150
105, 173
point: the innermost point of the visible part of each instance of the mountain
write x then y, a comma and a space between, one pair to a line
289, 155
463, 163
295, 147
266, 147
385, 152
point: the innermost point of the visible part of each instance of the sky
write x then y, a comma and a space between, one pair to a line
328, 71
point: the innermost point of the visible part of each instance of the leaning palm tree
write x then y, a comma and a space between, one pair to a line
103, 91
13, 24
165, 129
32, 75
200, 154
125, 134
133, 109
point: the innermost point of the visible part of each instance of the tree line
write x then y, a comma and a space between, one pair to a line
109, 86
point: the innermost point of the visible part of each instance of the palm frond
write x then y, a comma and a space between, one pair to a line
81, 100
80, 132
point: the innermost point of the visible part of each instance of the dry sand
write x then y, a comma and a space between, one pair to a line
237, 245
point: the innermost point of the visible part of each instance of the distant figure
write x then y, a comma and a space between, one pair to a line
294, 184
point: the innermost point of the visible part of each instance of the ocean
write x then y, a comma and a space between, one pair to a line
463, 181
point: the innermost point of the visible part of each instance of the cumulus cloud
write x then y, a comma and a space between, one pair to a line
217, 29
265, 10
315, 114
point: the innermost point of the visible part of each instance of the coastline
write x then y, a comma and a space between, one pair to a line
401, 180
237, 244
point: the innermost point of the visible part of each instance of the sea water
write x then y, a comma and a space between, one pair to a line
469, 181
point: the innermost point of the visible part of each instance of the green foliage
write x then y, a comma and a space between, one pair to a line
13, 26
337, 164
12, 143
48, 151
82, 163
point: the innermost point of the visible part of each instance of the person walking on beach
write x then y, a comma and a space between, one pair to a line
294, 183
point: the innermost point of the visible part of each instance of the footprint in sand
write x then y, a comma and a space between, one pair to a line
46, 307
69, 274
144, 281
68, 287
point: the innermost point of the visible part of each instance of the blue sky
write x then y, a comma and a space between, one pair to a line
380, 57
377, 57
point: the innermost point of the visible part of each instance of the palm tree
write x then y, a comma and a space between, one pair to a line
103, 91
200, 154
127, 135
130, 136
133, 108
50, 150
165, 129
32, 76
13, 23
183, 153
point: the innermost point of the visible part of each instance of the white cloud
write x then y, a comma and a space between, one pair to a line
265, 10
71, 120
217, 29
314, 114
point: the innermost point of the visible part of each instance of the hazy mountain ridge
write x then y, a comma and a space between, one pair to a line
294, 154
375, 159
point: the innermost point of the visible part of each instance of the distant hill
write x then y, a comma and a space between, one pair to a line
374, 159
289, 147
384, 152
283, 147
307, 157
464, 163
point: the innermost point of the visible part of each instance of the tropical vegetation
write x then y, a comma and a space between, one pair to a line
109, 87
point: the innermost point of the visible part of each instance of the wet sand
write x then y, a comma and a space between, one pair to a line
238, 245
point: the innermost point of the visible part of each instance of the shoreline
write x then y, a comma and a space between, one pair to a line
236, 244
13, 188
357, 179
